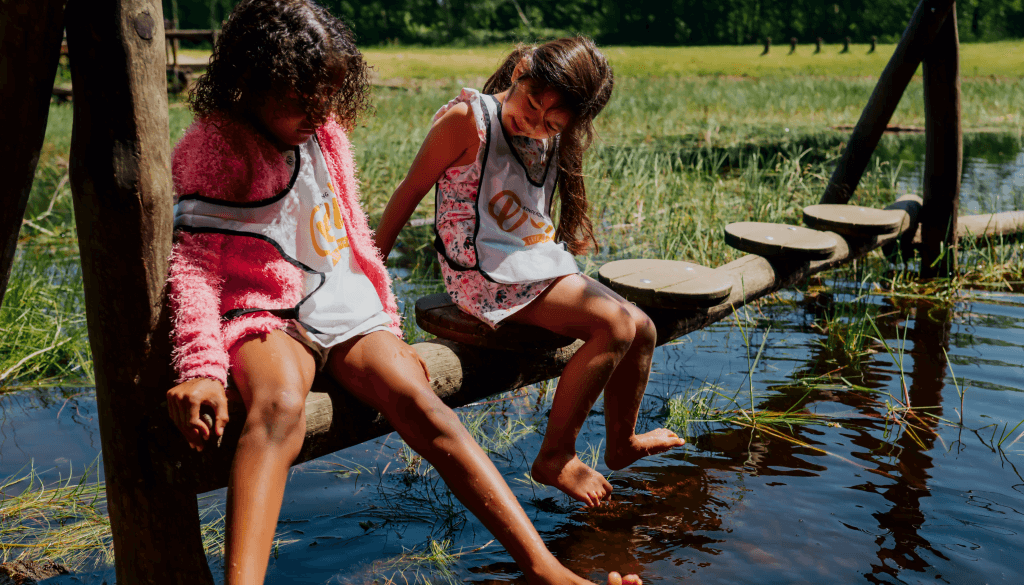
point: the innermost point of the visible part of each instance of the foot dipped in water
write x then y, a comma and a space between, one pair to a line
559, 575
617, 579
639, 446
572, 476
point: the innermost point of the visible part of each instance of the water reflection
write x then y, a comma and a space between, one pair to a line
993, 169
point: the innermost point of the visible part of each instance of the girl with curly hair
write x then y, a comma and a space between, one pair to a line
274, 276
496, 159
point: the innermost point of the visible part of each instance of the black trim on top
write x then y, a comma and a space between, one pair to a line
480, 184
234, 313
251, 204
438, 244
515, 153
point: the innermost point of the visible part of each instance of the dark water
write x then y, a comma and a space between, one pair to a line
866, 500
862, 496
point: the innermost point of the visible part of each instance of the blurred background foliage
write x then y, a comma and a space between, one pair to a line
637, 22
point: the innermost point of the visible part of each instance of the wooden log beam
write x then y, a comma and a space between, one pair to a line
462, 374
982, 227
925, 23
944, 150
121, 184
31, 34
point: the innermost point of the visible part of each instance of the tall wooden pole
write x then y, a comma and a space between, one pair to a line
120, 178
944, 149
30, 39
924, 25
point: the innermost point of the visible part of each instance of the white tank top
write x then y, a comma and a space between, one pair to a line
514, 232
305, 225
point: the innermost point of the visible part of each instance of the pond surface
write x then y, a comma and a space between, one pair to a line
855, 497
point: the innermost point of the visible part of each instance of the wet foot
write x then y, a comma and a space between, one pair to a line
639, 446
617, 579
559, 575
573, 477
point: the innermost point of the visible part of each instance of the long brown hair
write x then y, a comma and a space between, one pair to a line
577, 70
268, 47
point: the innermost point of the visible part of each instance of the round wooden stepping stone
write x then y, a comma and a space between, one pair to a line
853, 220
437, 314
777, 239
665, 283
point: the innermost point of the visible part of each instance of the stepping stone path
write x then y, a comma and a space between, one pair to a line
854, 221
666, 283
780, 240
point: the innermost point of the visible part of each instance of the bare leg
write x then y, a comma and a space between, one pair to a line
273, 373
384, 372
618, 345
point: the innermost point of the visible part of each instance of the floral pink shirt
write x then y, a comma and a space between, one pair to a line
456, 220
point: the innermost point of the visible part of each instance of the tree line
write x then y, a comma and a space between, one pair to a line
632, 22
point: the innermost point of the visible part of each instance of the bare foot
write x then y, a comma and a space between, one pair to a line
617, 579
573, 477
656, 441
559, 575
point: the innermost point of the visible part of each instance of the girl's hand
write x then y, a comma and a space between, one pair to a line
184, 402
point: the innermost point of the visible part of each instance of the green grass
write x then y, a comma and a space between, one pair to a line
977, 60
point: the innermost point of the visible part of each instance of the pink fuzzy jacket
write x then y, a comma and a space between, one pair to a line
211, 274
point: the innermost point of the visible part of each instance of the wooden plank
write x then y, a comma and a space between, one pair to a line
437, 314
924, 25
30, 40
665, 283
776, 239
943, 158
852, 220
121, 184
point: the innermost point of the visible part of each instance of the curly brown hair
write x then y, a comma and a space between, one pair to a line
579, 72
274, 47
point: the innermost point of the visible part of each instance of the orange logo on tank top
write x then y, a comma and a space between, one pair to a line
327, 230
507, 209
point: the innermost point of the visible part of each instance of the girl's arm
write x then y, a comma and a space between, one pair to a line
195, 288
452, 141
199, 355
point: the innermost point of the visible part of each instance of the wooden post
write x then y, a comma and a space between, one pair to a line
30, 38
917, 38
120, 177
943, 153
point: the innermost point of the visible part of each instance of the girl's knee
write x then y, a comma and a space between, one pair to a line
422, 418
279, 413
646, 331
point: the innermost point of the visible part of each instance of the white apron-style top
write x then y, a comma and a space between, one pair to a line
514, 232
305, 225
